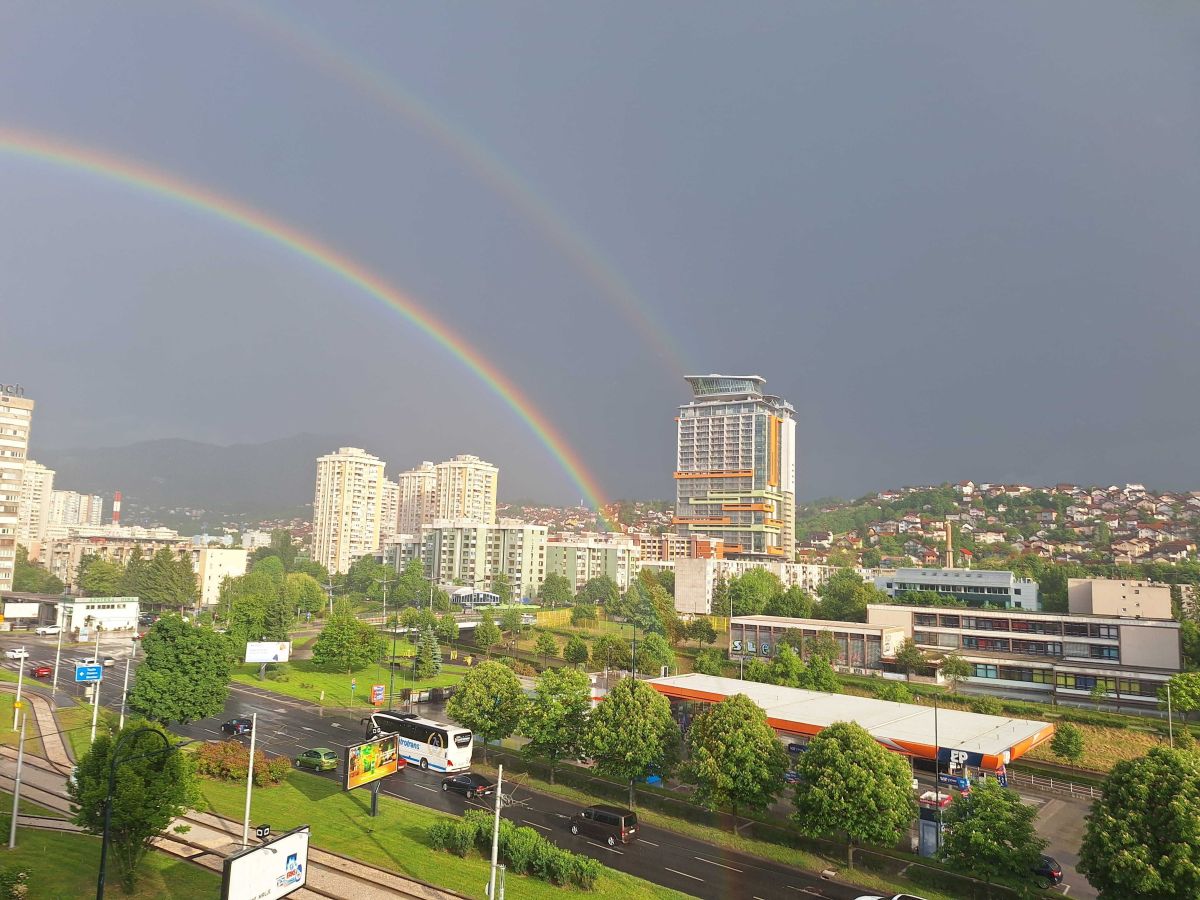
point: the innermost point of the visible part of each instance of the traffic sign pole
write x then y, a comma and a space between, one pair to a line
249, 781
57, 654
17, 704
95, 707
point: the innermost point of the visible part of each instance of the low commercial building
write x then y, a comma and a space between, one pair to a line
975, 587
79, 614
861, 646
695, 579
1043, 655
1111, 597
954, 737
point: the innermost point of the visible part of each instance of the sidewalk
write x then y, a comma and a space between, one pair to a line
43, 714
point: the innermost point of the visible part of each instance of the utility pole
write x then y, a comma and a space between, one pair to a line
937, 772
17, 702
329, 591
12, 829
95, 704
495, 834
249, 780
125, 689
61, 619
1170, 722
385, 582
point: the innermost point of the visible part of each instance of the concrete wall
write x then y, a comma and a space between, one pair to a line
693, 586
878, 614
1111, 597
1151, 646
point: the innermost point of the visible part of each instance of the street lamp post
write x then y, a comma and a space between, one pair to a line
61, 620
125, 688
116, 760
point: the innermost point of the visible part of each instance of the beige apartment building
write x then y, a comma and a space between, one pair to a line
389, 511
1112, 597
580, 558
466, 489
62, 556
71, 508
212, 566
417, 500
37, 484
16, 417
347, 507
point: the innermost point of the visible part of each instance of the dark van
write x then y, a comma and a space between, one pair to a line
610, 824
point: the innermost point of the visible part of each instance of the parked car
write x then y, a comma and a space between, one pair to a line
1049, 872
47, 629
16, 653
610, 824
87, 661
469, 785
319, 759
41, 671
240, 725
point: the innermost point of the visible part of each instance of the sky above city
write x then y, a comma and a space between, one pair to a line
961, 239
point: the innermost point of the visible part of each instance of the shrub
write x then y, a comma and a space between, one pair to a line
13, 882
230, 761
892, 690
520, 849
520, 667
988, 706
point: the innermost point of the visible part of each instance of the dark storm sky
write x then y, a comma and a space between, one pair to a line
961, 238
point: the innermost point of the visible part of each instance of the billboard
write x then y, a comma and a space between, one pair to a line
371, 760
21, 610
268, 872
268, 651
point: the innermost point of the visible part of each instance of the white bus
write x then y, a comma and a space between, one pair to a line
426, 743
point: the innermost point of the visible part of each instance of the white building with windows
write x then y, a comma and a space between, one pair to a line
37, 485
16, 415
417, 498
105, 613
580, 558
347, 507
473, 553
466, 489
975, 587
212, 566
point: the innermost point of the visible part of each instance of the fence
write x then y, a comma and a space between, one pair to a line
1056, 785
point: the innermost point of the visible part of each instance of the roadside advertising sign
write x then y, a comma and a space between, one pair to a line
268, 651
377, 694
269, 871
371, 761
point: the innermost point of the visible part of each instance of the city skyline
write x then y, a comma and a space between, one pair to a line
586, 216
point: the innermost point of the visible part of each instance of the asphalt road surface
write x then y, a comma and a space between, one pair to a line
288, 726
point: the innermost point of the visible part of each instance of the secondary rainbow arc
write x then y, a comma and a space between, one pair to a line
75, 157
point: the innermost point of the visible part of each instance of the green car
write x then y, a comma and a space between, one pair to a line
320, 759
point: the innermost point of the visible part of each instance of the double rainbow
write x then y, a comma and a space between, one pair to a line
43, 149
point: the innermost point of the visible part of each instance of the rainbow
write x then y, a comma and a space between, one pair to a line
482, 162
43, 149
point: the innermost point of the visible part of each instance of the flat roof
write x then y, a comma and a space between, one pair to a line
886, 721
983, 612
825, 624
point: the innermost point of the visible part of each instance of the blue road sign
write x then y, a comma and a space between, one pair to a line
85, 674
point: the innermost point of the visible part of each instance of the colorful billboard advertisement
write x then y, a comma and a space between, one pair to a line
268, 872
268, 651
371, 760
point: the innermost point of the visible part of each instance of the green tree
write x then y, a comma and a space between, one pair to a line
556, 716
787, 668
169, 583
910, 658
794, 603
955, 669
759, 670
98, 577
184, 675
489, 700
546, 645
576, 651
152, 789
1140, 837
428, 661
347, 644
844, 597
632, 734
510, 622
819, 676
583, 614
990, 833
720, 600
1067, 742
304, 593
272, 567
753, 590
501, 586
137, 572
487, 634
447, 629
701, 630
411, 587
555, 591
31, 578
281, 546
735, 757
895, 691
1185, 693
611, 652
710, 662
599, 591
823, 645
310, 567
985, 706
653, 652
255, 608
851, 785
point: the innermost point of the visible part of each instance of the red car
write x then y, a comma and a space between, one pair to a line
41, 671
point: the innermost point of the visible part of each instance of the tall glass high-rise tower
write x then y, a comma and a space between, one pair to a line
735, 467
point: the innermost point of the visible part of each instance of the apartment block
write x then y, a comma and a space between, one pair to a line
735, 467
37, 484
71, 508
212, 566
417, 503
582, 558
1023, 653
696, 579
471, 553
1111, 597
975, 587
466, 489
347, 507
16, 417
63, 555
389, 510
663, 547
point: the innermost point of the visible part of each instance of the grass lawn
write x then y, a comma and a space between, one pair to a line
6, 675
9, 737
396, 838
306, 680
26, 808
62, 865
76, 725
1104, 747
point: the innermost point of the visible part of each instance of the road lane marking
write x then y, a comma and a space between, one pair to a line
306, 728
536, 825
715, 863
424, 787
644, 841
609, 849
684, 874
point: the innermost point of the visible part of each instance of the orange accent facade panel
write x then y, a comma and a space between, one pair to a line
745, 507
773, 452
701, 520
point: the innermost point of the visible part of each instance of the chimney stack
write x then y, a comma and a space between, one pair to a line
116, 520
949, 545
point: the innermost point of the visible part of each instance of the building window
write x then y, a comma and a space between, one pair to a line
984, 671
1100, 652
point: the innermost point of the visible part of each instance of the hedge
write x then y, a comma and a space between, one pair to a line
230, 761
522, 849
